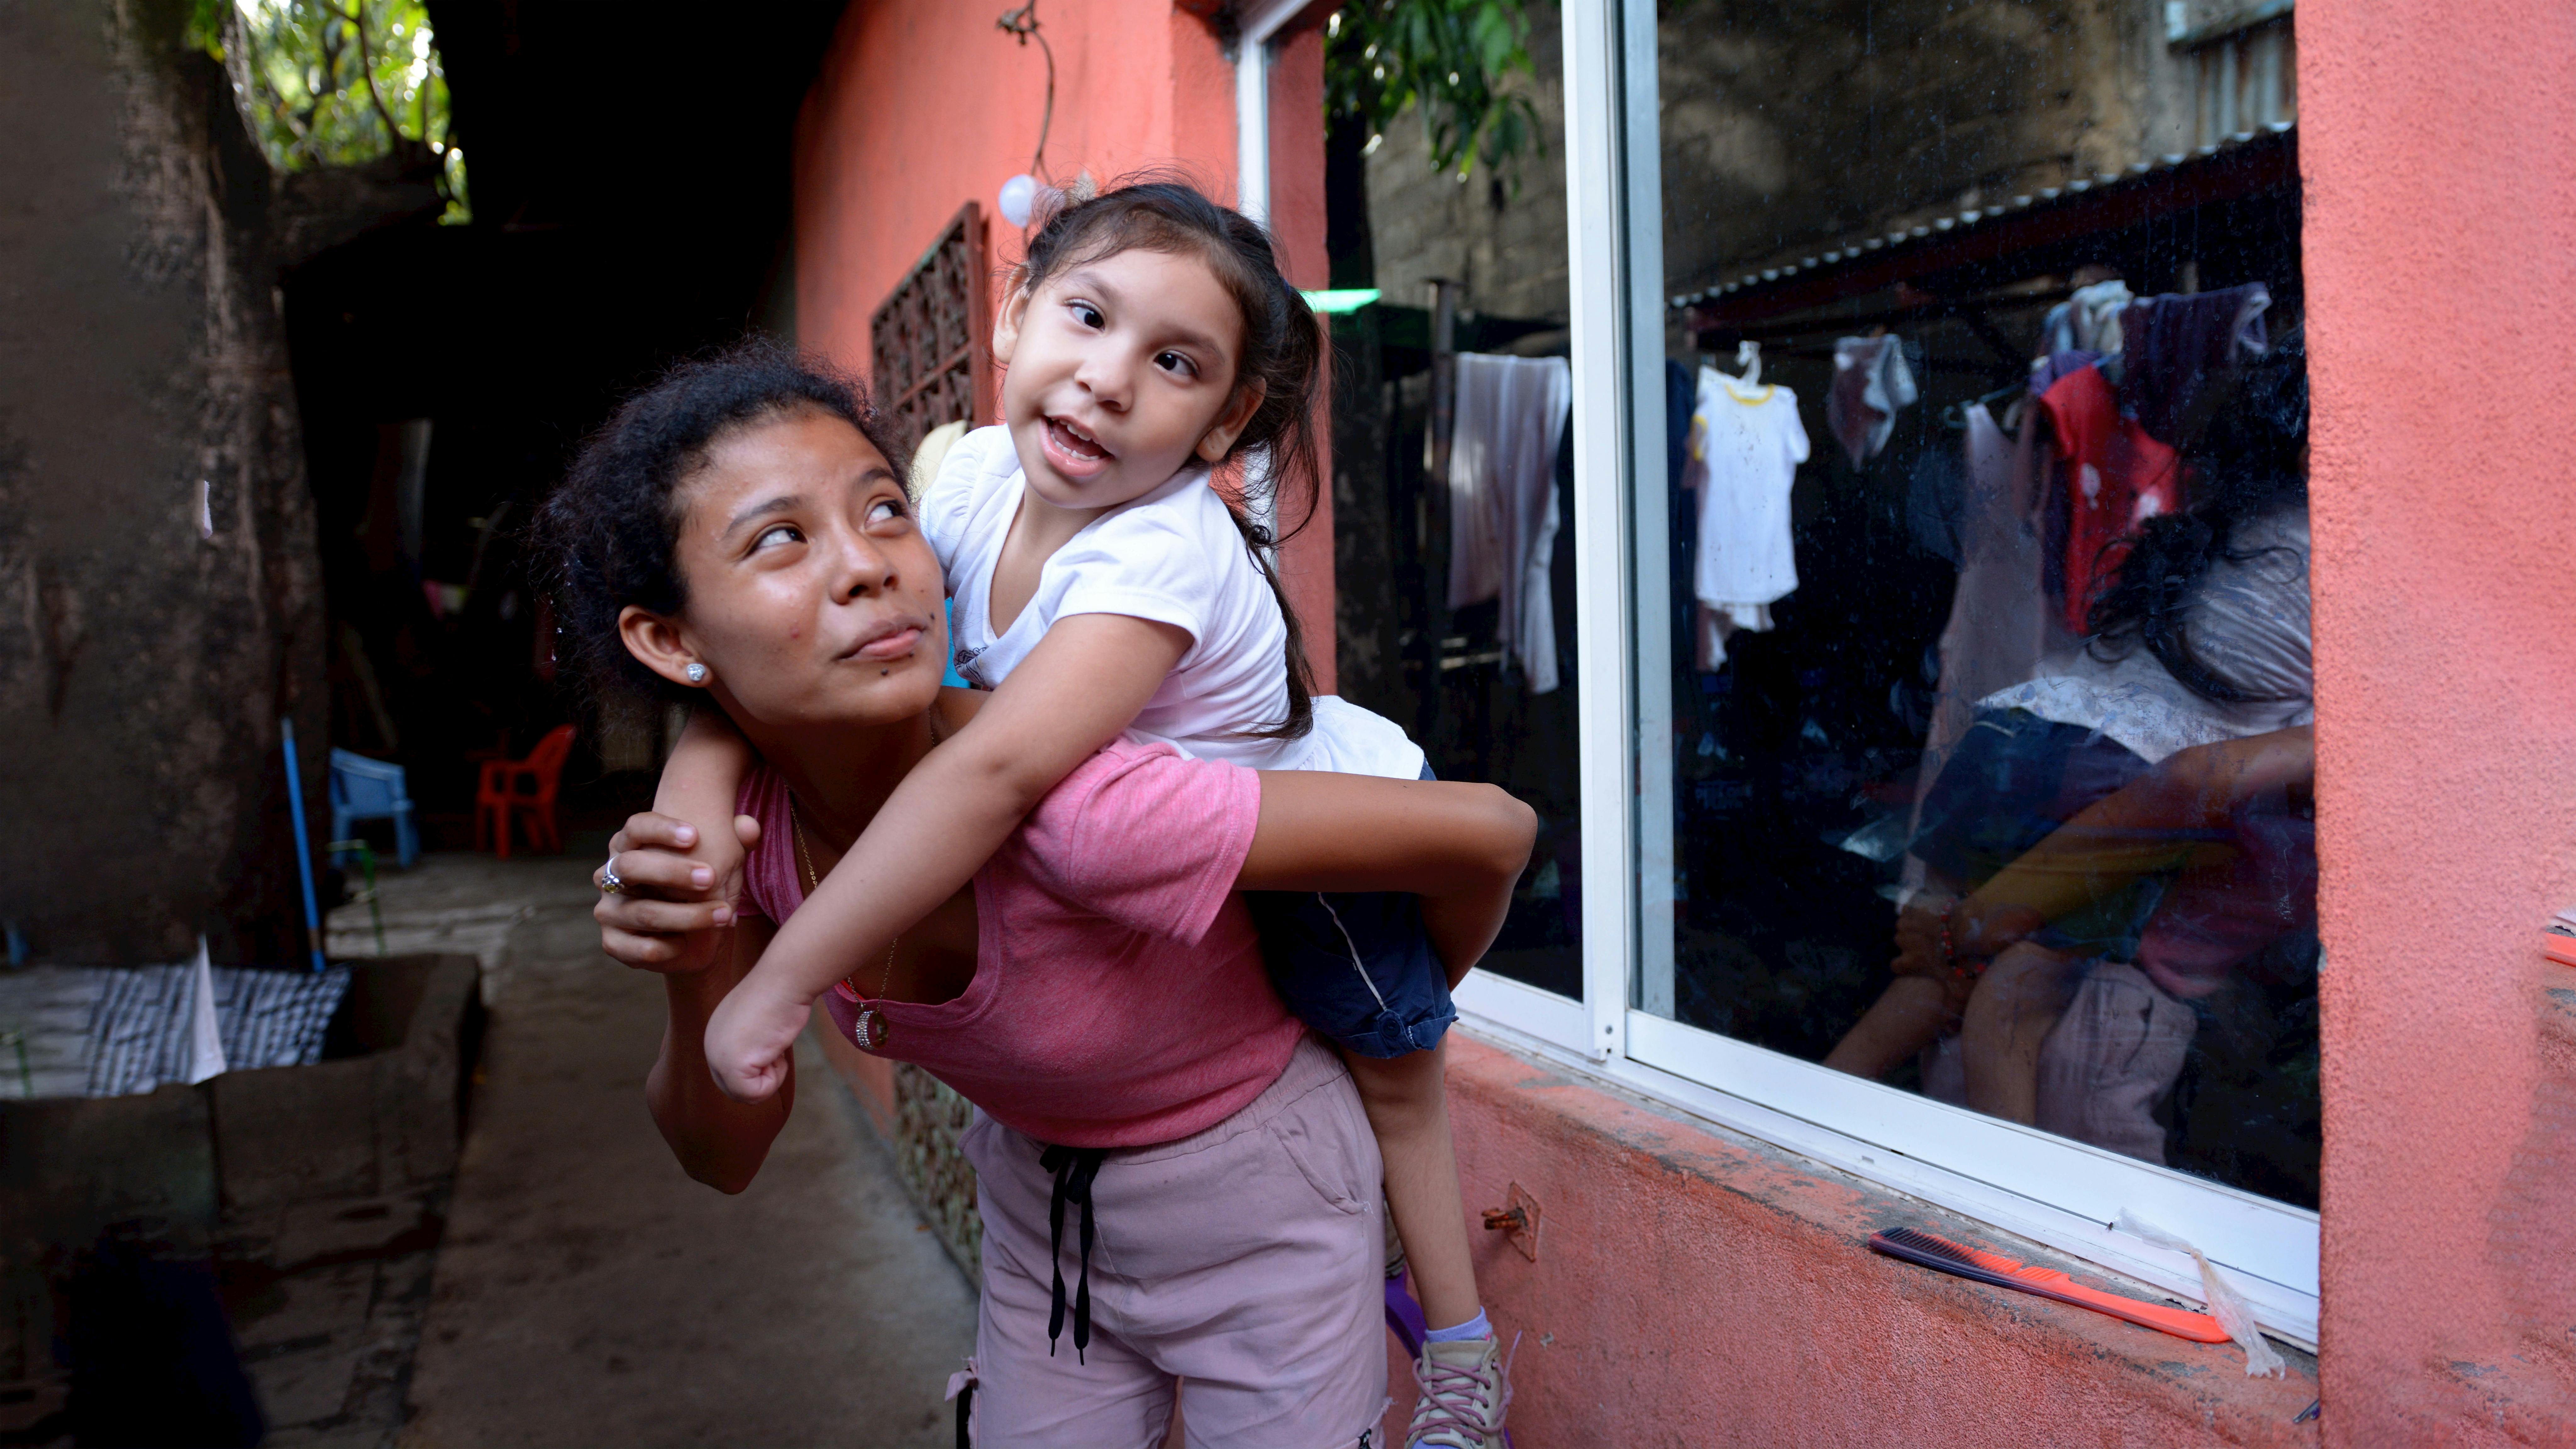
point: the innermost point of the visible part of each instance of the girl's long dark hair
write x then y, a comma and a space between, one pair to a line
605, 538
2251, 461
1283, 353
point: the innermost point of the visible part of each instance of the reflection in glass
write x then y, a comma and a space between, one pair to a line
1453, 478
1989, 701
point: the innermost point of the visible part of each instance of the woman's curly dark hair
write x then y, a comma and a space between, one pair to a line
605, 538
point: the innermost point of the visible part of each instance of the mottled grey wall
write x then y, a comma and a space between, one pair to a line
145, 661
1791, 126
1508, 244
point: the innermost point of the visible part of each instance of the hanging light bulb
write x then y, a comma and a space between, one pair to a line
1024, 196
1019, 198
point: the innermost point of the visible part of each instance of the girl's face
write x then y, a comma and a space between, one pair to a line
1122, 370
812, 597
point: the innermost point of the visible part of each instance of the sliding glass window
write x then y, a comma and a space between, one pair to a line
1454, 462
1967, 597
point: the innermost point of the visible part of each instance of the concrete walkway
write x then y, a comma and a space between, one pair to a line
587, 1293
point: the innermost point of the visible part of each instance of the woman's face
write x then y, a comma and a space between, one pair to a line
812, 596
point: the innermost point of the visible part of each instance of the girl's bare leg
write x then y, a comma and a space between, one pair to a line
1408, 1108
1904, 1020
2009, 1014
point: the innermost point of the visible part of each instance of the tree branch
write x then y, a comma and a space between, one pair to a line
356, 15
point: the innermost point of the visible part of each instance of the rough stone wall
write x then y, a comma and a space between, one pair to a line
160, 594
1503, 235
1791, 128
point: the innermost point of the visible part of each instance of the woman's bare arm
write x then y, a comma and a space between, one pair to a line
719, 1141
657, 925
700, 783
1460, 847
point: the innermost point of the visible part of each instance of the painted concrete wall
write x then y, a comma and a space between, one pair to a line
2441, 214
924, 104
1697, 1288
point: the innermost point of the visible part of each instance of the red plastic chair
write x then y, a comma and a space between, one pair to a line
511, 789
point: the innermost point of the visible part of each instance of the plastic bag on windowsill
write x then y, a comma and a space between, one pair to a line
2230, 1311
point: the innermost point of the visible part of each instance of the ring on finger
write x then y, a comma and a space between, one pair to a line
609, 882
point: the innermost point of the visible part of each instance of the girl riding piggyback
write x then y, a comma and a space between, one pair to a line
1100, 585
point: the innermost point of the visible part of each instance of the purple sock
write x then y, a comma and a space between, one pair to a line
1475, 1327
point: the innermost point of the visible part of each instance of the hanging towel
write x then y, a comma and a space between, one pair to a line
1746, 445
1871, 381
2178, 346
143, 1029
2087, 321
1998, 628
1509, 421
2117, 477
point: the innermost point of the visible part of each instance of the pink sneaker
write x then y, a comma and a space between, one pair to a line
1466, 1386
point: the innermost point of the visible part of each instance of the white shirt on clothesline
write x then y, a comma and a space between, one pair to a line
1746, 445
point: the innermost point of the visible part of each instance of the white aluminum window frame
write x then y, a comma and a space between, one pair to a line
2045, 1188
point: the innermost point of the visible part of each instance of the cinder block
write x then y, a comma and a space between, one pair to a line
378, 1115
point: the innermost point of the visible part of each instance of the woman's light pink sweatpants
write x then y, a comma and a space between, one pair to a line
1246, 1260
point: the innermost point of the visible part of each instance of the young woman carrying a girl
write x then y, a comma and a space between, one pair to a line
2146, 801
737, 536
1103, 587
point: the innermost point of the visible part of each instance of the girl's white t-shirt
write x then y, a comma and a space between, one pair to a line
1173, 556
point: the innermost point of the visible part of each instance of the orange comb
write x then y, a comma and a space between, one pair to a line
2003, 1272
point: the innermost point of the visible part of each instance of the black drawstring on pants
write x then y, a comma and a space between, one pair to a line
1074, 1168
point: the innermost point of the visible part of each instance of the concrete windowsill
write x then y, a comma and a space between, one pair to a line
1691, 1266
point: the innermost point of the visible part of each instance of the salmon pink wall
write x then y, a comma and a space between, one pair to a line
923, 105
2440, 152
1692, 1288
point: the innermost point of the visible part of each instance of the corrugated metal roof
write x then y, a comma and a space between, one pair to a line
1903, 251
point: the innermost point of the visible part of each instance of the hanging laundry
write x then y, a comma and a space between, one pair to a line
2088, 321
2179, 346
2117, 477
1998, 627
1871, 381
2046, 371
1509, 421
1746, 445
1935, 497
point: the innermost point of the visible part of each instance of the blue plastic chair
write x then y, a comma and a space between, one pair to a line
364, 789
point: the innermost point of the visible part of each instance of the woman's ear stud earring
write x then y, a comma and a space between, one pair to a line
697, 672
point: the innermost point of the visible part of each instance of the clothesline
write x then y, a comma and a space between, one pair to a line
2129, 379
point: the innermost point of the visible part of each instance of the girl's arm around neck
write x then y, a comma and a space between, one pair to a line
701, 783
1083, 684
1460, 847
719, 1141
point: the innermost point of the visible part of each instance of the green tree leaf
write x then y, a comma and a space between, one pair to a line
1454, 60
339, 83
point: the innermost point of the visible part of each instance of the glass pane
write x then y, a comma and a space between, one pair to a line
1452, 459
1988, 701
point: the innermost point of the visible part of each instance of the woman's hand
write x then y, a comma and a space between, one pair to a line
1923, 936
677, 894
750, 1036
1925, 944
